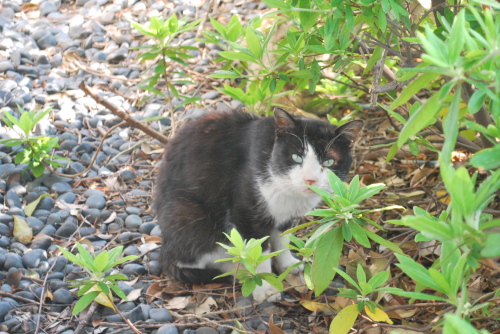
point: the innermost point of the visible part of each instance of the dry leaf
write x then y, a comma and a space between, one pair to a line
89, 245
154, 290
22, 232
48, 295
134, 295
206, 306
379, 315
146, 248
420, 175
28, 6
152, 239
111, 218
14, 278
30, 208
102, 298
315, 306
273, 328
32, 273
178, 303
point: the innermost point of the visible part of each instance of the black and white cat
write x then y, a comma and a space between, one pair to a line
237, 170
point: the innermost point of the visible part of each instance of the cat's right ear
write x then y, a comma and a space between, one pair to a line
284, 121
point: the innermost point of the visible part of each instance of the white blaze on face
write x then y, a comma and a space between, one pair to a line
309, 172
287, 196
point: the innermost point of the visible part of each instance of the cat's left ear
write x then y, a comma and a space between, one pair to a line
284, 121
350, 130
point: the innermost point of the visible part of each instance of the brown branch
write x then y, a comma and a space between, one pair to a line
123, 115
80, 329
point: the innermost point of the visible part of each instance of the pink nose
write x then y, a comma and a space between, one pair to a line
310, 182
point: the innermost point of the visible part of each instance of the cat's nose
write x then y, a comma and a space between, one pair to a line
310, 182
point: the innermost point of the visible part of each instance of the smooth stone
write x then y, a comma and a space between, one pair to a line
4, 241
41, 243
211, 95
133, 269
86, 231
60, 187
33, 258
96, 202
60, 261
155, 232
91, 214
62, 296
160, 315
6, 65
13, 260
46, 8
66, 230
46, 203
68, 197
5, 307
68, 145
147, 227
47, 230
35, 224
12, 199
133, 222
133, 210
167, 329
154, 268
128, 175
131, 250
92, 192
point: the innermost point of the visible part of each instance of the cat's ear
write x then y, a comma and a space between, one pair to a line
350, 130
284, 121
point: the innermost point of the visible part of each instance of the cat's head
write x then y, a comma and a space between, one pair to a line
306, 148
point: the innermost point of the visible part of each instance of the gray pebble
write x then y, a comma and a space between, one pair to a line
41, 243
66, 230
211, 95
60, 188
133, 269
35, 224
60, 261
47, 230
96, 202
167, 329
133, 222
46, 203
133, 210
62, 296
156, 231
46, 8
92, 192
154, 268
146, 228
33, 258
5, 307
160, 315
13, 260
12, 199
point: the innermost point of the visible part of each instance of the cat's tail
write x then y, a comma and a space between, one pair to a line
196, 275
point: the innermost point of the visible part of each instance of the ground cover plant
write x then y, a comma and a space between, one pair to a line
416, 228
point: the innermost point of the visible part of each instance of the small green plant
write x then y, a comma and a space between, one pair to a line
249, 254
35, 150
165, 55
343, 220
98, 287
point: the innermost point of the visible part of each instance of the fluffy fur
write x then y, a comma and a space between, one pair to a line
237, 170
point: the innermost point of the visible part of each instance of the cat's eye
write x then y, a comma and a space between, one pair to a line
297, 158
328, 163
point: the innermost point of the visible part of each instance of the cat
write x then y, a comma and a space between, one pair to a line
238, 170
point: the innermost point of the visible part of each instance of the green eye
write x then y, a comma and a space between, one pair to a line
297, 158
328, 163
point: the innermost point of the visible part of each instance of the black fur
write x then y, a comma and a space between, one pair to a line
207, 179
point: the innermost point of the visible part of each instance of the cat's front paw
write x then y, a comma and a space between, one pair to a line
286, 260
266, 292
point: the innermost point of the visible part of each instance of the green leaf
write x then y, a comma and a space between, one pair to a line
344, 320
84, 301
359, 234
119, 292
386, 243
457, 37
413, 88
414, 295
280, 4
417, 272
238, 56
222, 74
337, 185
101, 261
379, 279
30, 208
73, 258
476, 101
253, 43
248, 287
326, 258
420, 119
430, 227
487, 158
450, 126
87, 258
376, 56
455, 325
439, 279
491, 247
